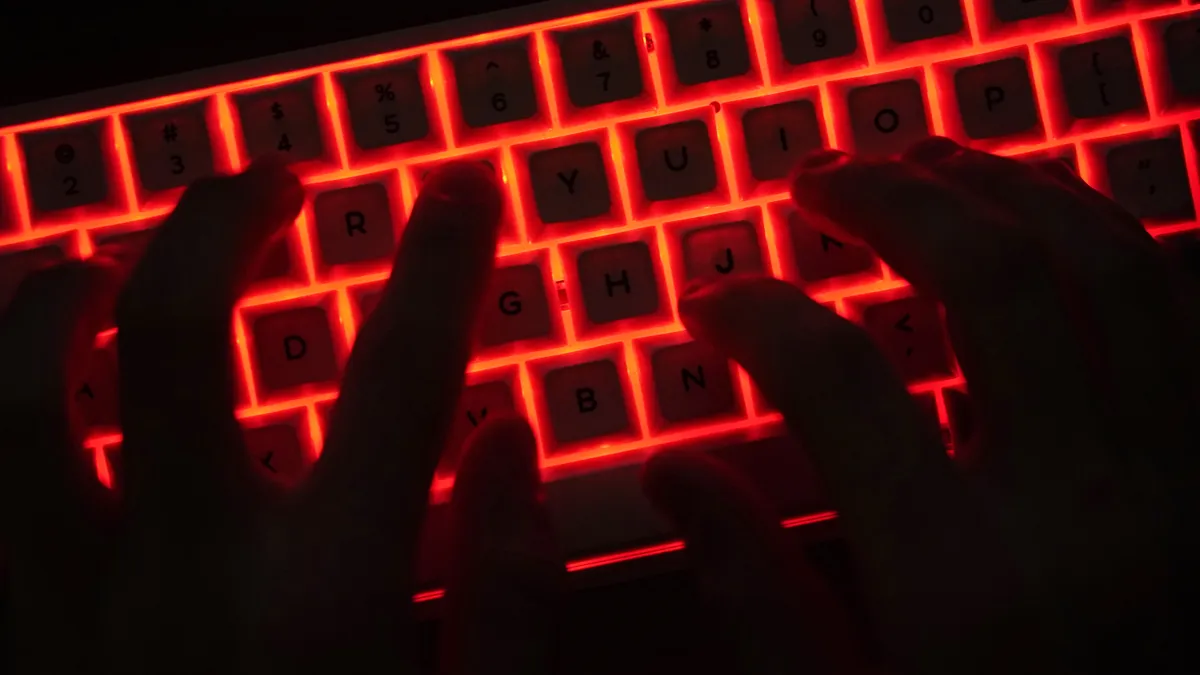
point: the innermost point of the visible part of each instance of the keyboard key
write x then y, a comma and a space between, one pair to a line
366, 299
96, 398
909, 333
386, 105
676, 160
66, 167
570, 183
17, 265
717, 250
277, 260
819, 257
601, 63
996, 99
692, 382
277, 452
171, 148
516, 306
1182, 40
354, 224
887, 118
295, 347
1101, 78
586, 401
477, 403
777, 136
1095, 8
815, 30
1010, 11
618, 282
909, 21
708, 42
281, 120
495, 84
1150, 179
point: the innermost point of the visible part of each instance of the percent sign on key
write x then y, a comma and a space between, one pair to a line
385, 93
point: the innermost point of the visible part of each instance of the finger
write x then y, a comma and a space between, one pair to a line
174, 320
899, 498
781, 615
1004, 314
505, 571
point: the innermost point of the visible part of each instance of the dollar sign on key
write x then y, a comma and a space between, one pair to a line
277, 111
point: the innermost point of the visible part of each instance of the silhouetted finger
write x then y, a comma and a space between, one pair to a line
1006, 319
505, 571
780, 613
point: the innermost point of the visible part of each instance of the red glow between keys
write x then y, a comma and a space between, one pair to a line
882, 50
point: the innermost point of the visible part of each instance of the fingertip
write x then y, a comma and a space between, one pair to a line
501, 453
270, 179
932, 150
461, 189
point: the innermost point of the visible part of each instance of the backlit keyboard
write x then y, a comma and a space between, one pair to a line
642, 147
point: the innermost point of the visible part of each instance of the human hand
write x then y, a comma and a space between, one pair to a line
1058, 539
200, 566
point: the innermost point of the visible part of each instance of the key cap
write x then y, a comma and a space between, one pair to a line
1149, 178
16, 265
1182, 40
66, 167
707, 42
819, 256
1096, 8
815, 30
516, 306
909, 333
586, 401
714, 251
495, 83
366, 299
910, 20
692, 382
570, 183
171, 148
294, 347
96, 395
1100, 78
676, 160
777, 136
1010, 11
492, 160
477, 403
354, 224
996, 99
601, 63
277, 261
386, 105
281, 120
277, 452
618, 282
887, 118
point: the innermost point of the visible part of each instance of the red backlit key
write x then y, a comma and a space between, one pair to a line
718, 250
354, 224
815, 30
676, 160
887, 118
777, 136
1009, 11
516, 306
819, 256
96, 396
66, 167
1095, 8
1150, 179
295, 347
281, 120
909, 21
495, 84
277, 452
14, 267
171, 148
618, 282
692, 382
707, 41
586, 401
601, 63
996, 99
1183, 53
477, 404
276, 262
1101, 78
570, 183
386, 105
909, 333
